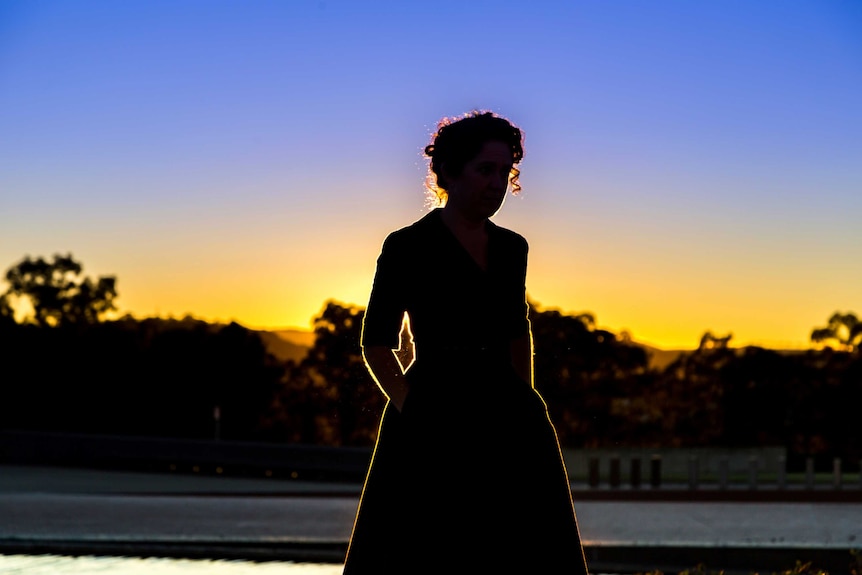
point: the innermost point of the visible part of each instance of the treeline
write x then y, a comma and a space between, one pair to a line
67, 369
149, 377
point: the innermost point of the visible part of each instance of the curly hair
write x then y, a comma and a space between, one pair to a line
460, 139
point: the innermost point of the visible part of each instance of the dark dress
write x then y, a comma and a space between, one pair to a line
468, 477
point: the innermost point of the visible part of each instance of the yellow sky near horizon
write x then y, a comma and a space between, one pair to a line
286, 286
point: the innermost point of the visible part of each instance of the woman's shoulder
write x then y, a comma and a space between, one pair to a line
408, 238
510, 238
418, 231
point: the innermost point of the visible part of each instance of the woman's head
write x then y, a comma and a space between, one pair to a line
459, 140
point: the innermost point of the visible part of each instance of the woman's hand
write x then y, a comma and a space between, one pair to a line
521, 349
386, 370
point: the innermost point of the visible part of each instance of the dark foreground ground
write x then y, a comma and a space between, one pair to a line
79, 511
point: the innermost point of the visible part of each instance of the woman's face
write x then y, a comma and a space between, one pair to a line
479, 190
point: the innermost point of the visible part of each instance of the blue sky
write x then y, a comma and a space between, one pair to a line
689, 166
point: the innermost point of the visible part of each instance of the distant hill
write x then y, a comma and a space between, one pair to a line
287, 344
293, 344
661, 358
303, 337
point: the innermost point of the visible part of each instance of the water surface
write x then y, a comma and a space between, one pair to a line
89, 565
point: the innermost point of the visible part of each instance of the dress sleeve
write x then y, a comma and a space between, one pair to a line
384, 314
520, 324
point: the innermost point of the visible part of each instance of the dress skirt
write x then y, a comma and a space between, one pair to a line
467, 478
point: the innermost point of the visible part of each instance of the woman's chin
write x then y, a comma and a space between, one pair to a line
491, 208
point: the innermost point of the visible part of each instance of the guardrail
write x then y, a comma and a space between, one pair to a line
185, 455
597, 474
608, 472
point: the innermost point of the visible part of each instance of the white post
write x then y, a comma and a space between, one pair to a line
635, 473
614, 473
655, 471
692, 472
216, 422
782, 471
836, 473
752, 472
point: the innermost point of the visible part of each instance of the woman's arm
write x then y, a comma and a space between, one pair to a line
521, 349
387, 373
521, 346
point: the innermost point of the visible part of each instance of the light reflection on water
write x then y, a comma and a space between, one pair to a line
87, 565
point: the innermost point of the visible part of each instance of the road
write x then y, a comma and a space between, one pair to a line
81, 511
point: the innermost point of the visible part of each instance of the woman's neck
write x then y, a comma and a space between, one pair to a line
456, 222
473, 236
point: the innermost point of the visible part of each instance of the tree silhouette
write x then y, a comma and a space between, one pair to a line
337, 358
329, 397
690, 394
586, 375
758, 387
711, 341
58, 292
7, 314
845, 329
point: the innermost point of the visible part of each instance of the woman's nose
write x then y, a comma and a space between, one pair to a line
500, 181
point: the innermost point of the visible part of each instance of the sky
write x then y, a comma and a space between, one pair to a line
689, 166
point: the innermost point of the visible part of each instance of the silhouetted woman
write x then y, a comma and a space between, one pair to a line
467, 474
